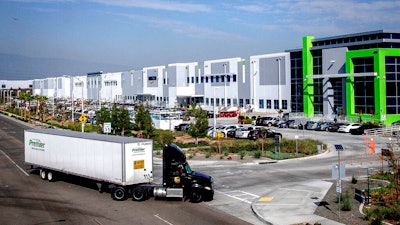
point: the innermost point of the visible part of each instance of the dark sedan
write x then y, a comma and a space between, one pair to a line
335, 127
360, 130
262, 133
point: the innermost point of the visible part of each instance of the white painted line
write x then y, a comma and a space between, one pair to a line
22, 170
158, 217
237, 198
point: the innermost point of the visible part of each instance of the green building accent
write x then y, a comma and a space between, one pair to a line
378, 55
308, 83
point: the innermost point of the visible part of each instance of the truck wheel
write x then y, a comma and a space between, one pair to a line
139, 194
43, 174
196, 196
50, 176
119, 193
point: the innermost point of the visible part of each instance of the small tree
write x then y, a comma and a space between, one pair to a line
198, 128
123, 119
143, 122
103, 116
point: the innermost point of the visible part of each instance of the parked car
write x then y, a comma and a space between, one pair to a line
360, 130
285, 123
310, 125
243, 132
224, 129
261, 133
266, 121
335, 127
231, 133
324, 126
182, 127
347, 127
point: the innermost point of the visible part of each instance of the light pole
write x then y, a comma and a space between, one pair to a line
279, 82
253, 63
224, 83
215, 118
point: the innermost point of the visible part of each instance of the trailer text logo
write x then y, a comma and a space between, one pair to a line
138, 151
36, 144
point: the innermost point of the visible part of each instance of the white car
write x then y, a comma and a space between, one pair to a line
225, 129
243, 132
347, 127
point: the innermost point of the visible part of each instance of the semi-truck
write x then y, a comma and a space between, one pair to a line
121, 165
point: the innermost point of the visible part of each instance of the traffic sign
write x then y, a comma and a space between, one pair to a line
107, 128
82, 118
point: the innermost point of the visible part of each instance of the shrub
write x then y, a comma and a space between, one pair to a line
257, 154
354, 179
242, 154
346, 201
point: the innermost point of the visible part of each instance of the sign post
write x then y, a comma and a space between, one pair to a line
339, 148
83, 119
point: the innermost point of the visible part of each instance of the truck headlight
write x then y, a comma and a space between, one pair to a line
207, 188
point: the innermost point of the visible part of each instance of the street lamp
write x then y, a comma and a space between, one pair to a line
253, 63
224, 65
279, 81
215, 118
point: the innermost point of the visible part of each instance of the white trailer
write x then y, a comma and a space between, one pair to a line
124, 164
109, 159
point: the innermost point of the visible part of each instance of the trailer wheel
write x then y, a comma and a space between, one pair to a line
139, 194
43, 174
50, 176
197, 196
118, 193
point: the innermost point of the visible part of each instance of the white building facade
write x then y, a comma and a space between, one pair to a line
270, 82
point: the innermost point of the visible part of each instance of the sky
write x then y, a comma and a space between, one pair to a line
49, 38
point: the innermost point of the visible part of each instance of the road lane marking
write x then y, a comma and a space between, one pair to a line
12, 161
265, 199
158, 217
238, 194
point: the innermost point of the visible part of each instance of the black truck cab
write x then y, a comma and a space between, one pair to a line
177, 174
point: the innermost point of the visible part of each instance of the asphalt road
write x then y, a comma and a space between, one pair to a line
26, 199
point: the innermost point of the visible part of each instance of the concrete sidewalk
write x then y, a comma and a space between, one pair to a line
293, 204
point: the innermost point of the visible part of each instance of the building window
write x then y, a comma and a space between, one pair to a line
202, 79
216, 79
187, 80
192, 80
241, 103
222, 78
392, 85
206, 79
217, 101
212, 79
247, 101
228, 78
364, 101
284, 104
276, 104
229, 101
235, 102
268, 104
197, 80
207, 101
261, 103
234, 78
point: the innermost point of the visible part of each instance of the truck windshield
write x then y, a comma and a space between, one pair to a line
188, 169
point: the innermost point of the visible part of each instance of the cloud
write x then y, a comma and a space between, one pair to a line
157, 5
190, 30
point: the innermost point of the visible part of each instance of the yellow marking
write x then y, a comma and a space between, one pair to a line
265, 199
